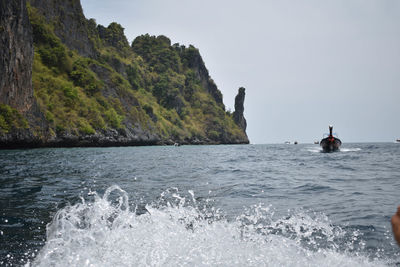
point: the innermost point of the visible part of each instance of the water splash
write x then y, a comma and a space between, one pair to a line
179, 229
354, 149
317, 149
314, 149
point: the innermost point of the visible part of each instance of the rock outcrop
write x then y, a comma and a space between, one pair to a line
196, 62
113, 36
70, 24
239, 109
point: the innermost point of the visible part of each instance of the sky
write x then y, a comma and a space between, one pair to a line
305, 64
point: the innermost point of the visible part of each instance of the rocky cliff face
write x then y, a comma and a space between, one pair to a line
239, 109
21, 122
108, 93
70, 25
16, 56
196, 62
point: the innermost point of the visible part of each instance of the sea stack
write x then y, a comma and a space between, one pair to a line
239, 109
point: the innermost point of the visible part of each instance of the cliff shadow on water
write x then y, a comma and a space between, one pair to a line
68, 81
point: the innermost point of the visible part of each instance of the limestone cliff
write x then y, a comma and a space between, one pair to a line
69, 23
16, 56
66, 81
196, 62
21, 122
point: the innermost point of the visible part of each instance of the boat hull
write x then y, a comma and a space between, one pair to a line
330, 144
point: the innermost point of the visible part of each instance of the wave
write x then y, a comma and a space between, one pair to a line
179, 229
314, 149
355, 149
314, 188
319, 149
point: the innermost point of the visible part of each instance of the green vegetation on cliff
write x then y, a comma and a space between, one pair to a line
149, 87
11, 119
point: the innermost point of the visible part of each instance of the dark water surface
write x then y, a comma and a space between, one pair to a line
200, 205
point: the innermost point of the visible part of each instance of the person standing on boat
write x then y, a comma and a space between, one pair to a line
396, 225
331, 139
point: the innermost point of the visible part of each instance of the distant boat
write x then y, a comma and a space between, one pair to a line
330, 143
295, 142
316, 142
287, 142
398, 140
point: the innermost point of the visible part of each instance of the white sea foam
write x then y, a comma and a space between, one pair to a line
316, 149
354, 149
178, 231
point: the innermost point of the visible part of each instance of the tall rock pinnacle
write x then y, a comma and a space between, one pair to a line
239, 109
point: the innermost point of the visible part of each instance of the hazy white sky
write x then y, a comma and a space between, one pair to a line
305, 64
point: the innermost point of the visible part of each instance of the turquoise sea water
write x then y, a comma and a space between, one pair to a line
245, 205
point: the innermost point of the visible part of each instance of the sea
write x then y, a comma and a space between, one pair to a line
225, 205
